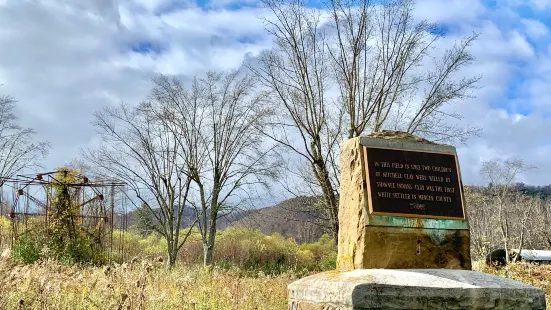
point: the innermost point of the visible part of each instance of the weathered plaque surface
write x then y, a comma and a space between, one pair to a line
413, 183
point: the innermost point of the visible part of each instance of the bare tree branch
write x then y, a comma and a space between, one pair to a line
18, 150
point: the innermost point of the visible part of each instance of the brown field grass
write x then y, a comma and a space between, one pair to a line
149, 285
139, 285
536, 275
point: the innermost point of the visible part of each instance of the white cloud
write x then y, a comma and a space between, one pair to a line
520, 46
226, 3
535, 29
449, 11
152, 5
540, 4
504, 58
64, 59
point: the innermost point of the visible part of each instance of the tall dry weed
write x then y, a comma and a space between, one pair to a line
137, 285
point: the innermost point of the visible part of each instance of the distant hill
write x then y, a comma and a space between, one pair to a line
188, 217
292, 218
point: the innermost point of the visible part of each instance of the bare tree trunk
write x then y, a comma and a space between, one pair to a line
372, 54
505, 232
209, 244
208, 247
172, 255
501, 177
331, 205
520, 245
526, 212
140, 149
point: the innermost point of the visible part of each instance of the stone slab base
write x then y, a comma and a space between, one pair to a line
411, 289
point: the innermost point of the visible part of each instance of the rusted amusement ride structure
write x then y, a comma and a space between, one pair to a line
99, 206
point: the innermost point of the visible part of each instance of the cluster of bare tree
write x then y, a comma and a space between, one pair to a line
502, 216
349, 68
198, 147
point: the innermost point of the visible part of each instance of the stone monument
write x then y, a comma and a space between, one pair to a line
404, 235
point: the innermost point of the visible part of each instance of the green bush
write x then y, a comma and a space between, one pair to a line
26, 249
29, 248
76, 250
249, 250
255, 252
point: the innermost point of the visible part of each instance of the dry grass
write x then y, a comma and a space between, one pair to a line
149, 285
140, 285
536, 275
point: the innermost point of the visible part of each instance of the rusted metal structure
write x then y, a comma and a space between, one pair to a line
101, 205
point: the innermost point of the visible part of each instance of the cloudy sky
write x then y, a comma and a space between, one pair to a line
64, 59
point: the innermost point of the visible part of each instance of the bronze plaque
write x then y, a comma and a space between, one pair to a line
413, 183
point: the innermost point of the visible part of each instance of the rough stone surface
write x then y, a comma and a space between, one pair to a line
411, 289
402, 248
353, 207
398, 135
375, 241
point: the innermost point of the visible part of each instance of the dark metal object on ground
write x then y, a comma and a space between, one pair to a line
498, 258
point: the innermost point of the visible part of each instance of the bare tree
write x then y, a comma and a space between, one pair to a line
525, 207
481, 221
218, 121
376, 53
297, 71
138, 149
543, 229
373, 56
18, 150
501, 176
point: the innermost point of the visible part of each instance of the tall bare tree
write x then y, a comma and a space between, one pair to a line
377, 50
140, 150
18, 149
501, 176
298, 72
217, 119
352, 68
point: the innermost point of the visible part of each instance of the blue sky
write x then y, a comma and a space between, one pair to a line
65, 59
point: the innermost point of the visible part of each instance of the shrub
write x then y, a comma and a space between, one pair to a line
31, 247
249, 250
253, 251
77, 250
323, 252
26, 249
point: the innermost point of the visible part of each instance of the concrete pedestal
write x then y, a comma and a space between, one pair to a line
411, 289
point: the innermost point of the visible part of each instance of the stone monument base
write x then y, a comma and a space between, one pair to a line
411, 289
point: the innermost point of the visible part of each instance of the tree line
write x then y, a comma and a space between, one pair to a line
349, 68
505, 214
